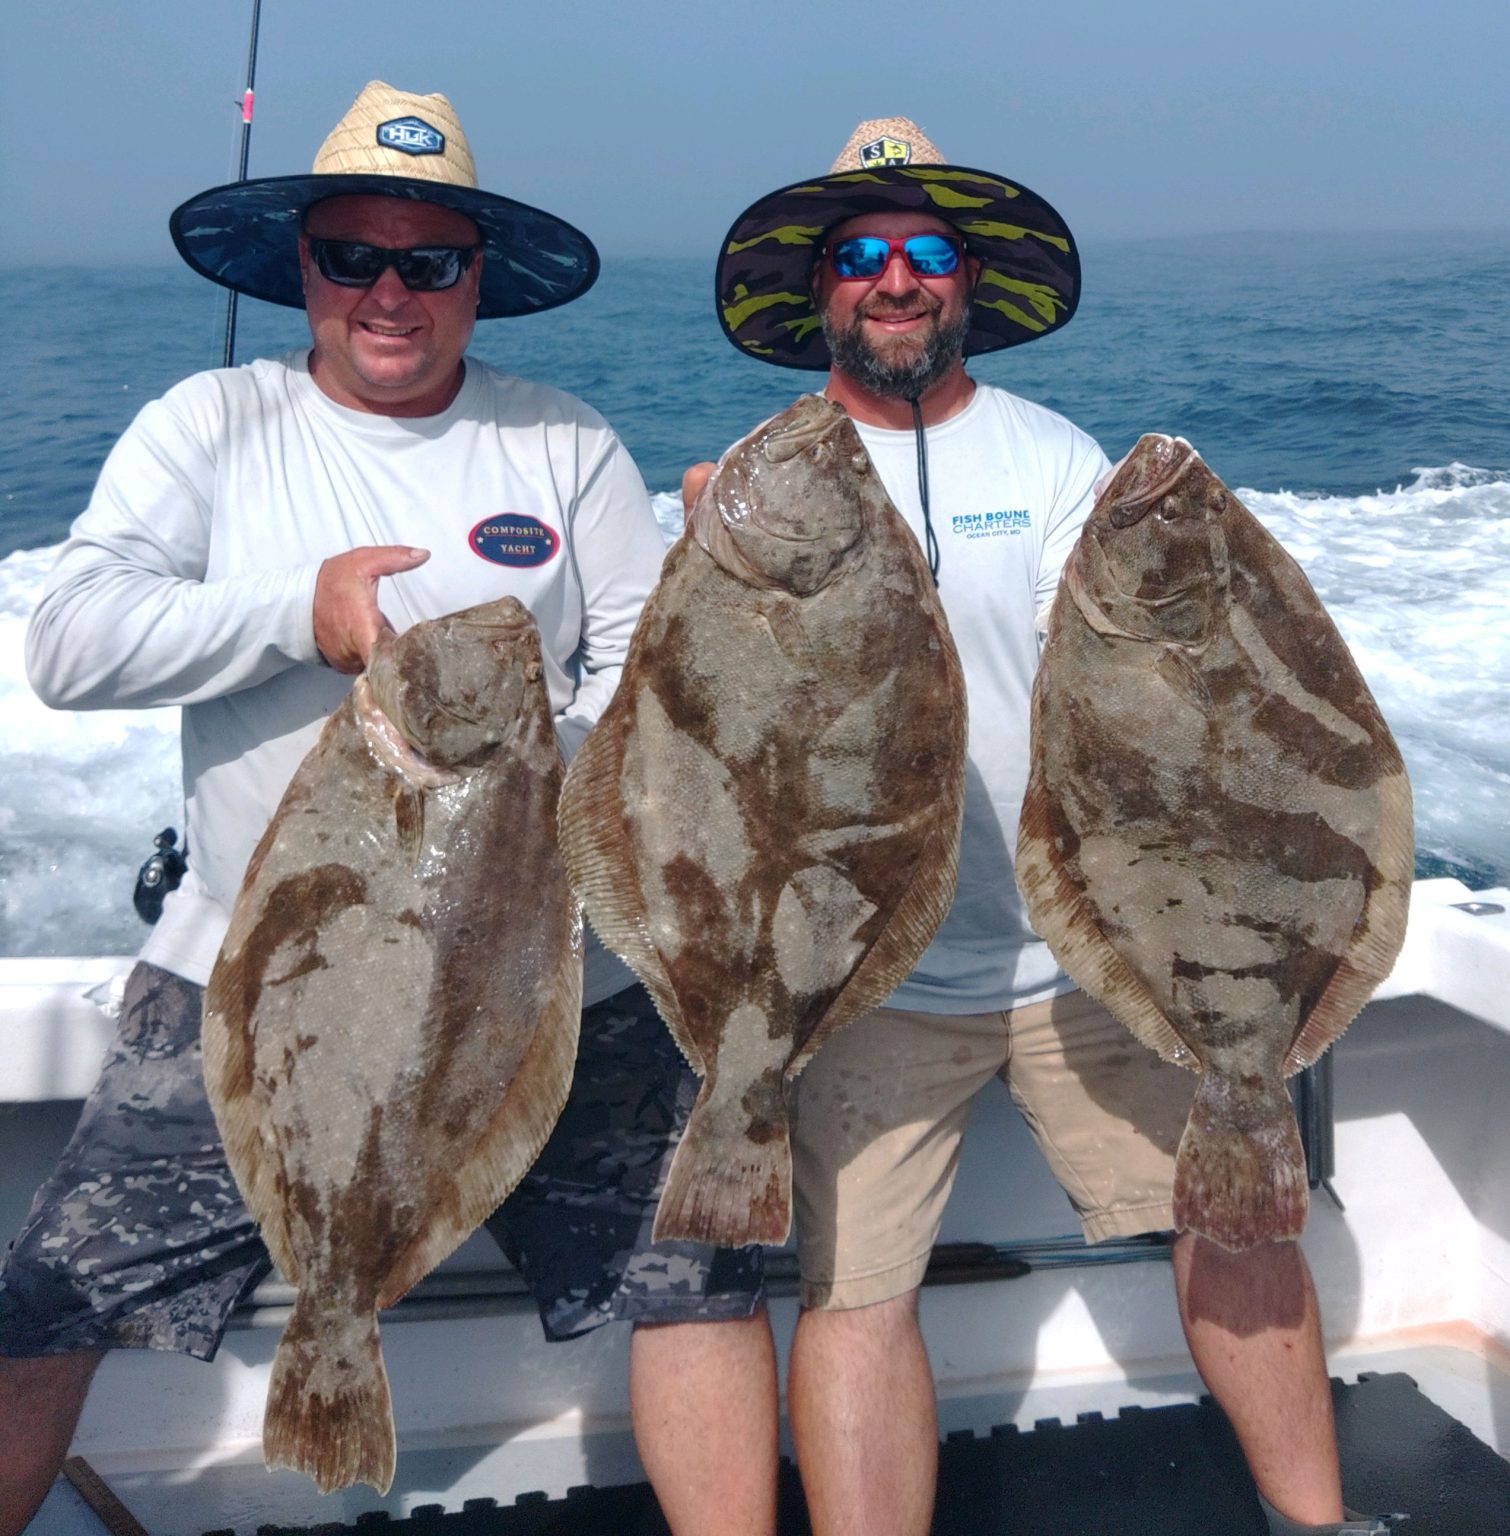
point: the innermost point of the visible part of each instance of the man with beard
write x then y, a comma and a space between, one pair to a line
889, 272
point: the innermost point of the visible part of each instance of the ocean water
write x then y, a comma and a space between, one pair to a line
1351, 389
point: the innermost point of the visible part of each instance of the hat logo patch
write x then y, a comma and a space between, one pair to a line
411, 136
514, 539
880, 153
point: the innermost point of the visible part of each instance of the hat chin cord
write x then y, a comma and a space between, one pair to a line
930, 543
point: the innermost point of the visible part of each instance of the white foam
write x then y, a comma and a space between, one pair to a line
1416, 578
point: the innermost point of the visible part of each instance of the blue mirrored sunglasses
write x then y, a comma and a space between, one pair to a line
867, 256
424, 268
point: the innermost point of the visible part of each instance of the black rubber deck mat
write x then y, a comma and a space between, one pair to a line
1148, 1472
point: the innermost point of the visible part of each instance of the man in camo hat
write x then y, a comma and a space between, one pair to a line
887, 273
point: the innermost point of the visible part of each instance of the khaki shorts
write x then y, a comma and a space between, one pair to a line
881, 1109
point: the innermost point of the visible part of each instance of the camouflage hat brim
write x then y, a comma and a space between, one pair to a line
1030, 273
245, 236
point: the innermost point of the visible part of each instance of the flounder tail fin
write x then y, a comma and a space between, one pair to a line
1240, 1174
328, 1409
731, 1179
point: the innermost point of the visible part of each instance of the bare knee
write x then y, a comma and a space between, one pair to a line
851, 1333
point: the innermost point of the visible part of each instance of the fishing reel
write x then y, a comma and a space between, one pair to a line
161, 873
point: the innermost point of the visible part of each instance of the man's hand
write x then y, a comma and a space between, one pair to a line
347, 616
694, 481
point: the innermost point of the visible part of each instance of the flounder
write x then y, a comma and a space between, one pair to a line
765, 821
391, 1025
1216, 839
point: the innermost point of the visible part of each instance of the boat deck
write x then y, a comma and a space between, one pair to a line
1169, 1471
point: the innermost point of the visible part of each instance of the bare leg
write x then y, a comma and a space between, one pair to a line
1251, 1322
40, 1402
860, 1399
704, 1402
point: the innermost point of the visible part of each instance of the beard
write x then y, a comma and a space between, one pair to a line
908, 373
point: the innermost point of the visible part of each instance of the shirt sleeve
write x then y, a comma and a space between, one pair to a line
1082, 466
127, 617
618, 548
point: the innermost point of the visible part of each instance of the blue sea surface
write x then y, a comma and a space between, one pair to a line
1331, 365
1352, 390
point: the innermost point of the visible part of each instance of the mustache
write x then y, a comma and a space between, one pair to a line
881, 304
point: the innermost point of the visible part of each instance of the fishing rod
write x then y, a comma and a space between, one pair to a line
247, 97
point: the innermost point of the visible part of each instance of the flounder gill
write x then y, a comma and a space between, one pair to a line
1216, 840
765, 821
391, 1025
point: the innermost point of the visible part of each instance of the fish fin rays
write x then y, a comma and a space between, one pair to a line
1240, 1185
330, 1419
1378, 936
913, 922
408, 820
600, 863
1071, 930
1184, 677
241, 1112
727, 1189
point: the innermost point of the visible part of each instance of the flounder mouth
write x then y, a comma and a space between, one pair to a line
1156, 465
808, 430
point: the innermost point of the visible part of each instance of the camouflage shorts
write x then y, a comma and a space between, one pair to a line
140, 1238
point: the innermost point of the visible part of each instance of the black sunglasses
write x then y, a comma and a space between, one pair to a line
423, 268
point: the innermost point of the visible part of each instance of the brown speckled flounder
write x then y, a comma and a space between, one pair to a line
1216, 840
390, 1028
765, 821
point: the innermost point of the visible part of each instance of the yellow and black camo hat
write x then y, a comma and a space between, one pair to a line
1030, 271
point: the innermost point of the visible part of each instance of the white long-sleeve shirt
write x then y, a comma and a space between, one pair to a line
1010, 485
190, 580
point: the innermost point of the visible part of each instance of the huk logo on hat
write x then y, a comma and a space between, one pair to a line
411, 135
513, 539
883, 152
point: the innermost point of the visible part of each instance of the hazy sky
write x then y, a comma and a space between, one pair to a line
651, 124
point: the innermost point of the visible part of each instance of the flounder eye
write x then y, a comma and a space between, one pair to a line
1218, 501
859, 462
1168, 510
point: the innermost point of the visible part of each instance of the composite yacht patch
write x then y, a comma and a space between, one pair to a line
1216, 839
513, 539
765, 821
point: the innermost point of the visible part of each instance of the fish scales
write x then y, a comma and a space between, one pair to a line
1216, 840
765, 821
391, 1025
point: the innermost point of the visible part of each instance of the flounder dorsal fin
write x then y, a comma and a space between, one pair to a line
595, 844
1379, 933
1067, 925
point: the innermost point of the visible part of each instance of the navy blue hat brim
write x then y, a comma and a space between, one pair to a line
245, 236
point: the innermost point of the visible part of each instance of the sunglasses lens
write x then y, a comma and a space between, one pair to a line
866, 255
931, 255
347, 263
425, 269
430, 268
859, 256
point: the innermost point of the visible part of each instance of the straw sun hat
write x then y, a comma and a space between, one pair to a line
394, 144
1030, 271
